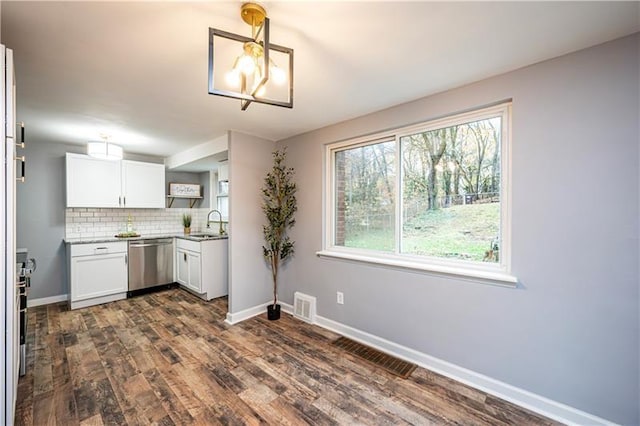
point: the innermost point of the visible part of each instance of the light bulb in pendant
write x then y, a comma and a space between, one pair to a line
233, 78
278, 75
246, 64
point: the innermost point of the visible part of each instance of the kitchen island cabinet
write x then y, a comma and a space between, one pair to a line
201, 267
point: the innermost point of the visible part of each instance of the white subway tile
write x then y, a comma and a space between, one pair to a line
108, 222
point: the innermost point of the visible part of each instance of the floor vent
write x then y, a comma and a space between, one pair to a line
389, 363
304, 307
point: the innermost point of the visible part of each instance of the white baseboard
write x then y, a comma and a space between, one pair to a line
539, 404
256, 310
47, 300
286, 308
536, 403
246, 314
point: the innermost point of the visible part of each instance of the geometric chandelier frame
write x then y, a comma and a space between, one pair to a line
247, 94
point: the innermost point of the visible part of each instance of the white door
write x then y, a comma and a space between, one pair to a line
98, 275
182, 267
195, 281
143, 185
93, 182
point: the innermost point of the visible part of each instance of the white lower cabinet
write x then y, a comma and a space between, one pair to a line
188, 263
201, 267
97, 273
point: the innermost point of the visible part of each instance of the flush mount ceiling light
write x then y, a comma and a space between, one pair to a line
104, 149
251, 69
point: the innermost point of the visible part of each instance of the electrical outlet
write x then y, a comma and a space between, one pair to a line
340, 298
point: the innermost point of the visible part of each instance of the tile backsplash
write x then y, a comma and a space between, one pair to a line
98, 222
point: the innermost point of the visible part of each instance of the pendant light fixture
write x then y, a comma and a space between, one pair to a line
104, 149
251, 69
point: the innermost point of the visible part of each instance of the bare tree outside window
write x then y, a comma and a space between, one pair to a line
365, 209
451, 191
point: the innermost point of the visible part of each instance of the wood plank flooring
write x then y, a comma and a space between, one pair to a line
169, 359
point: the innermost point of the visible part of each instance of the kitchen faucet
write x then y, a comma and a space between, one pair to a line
220, 229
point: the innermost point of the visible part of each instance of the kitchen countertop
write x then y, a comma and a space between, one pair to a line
88, 240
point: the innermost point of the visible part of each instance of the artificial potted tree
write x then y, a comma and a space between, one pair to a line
186, 223
279, 207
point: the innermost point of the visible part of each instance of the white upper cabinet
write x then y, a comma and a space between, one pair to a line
93, 182
143, 185
223, 172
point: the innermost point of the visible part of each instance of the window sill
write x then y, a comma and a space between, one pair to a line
476, 275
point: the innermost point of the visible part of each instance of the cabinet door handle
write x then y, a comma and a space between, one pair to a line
124, 201
126, 259
23, 162
21, 125
120, 201
185, 256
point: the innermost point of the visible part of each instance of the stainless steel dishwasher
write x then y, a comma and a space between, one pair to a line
150, 264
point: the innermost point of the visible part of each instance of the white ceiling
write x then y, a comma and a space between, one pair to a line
138, 70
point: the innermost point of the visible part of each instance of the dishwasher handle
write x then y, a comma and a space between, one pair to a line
137, 244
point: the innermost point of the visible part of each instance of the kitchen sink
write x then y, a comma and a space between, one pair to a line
204, 236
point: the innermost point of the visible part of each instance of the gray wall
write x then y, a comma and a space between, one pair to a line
187, 177
40, 208
570, 331
249, 278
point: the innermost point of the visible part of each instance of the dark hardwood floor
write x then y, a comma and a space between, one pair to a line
168, 358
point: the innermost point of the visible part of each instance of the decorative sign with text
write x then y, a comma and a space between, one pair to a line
184, 190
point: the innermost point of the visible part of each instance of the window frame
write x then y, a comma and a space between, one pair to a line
490, 273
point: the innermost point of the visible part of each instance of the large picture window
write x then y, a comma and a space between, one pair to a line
430, 196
